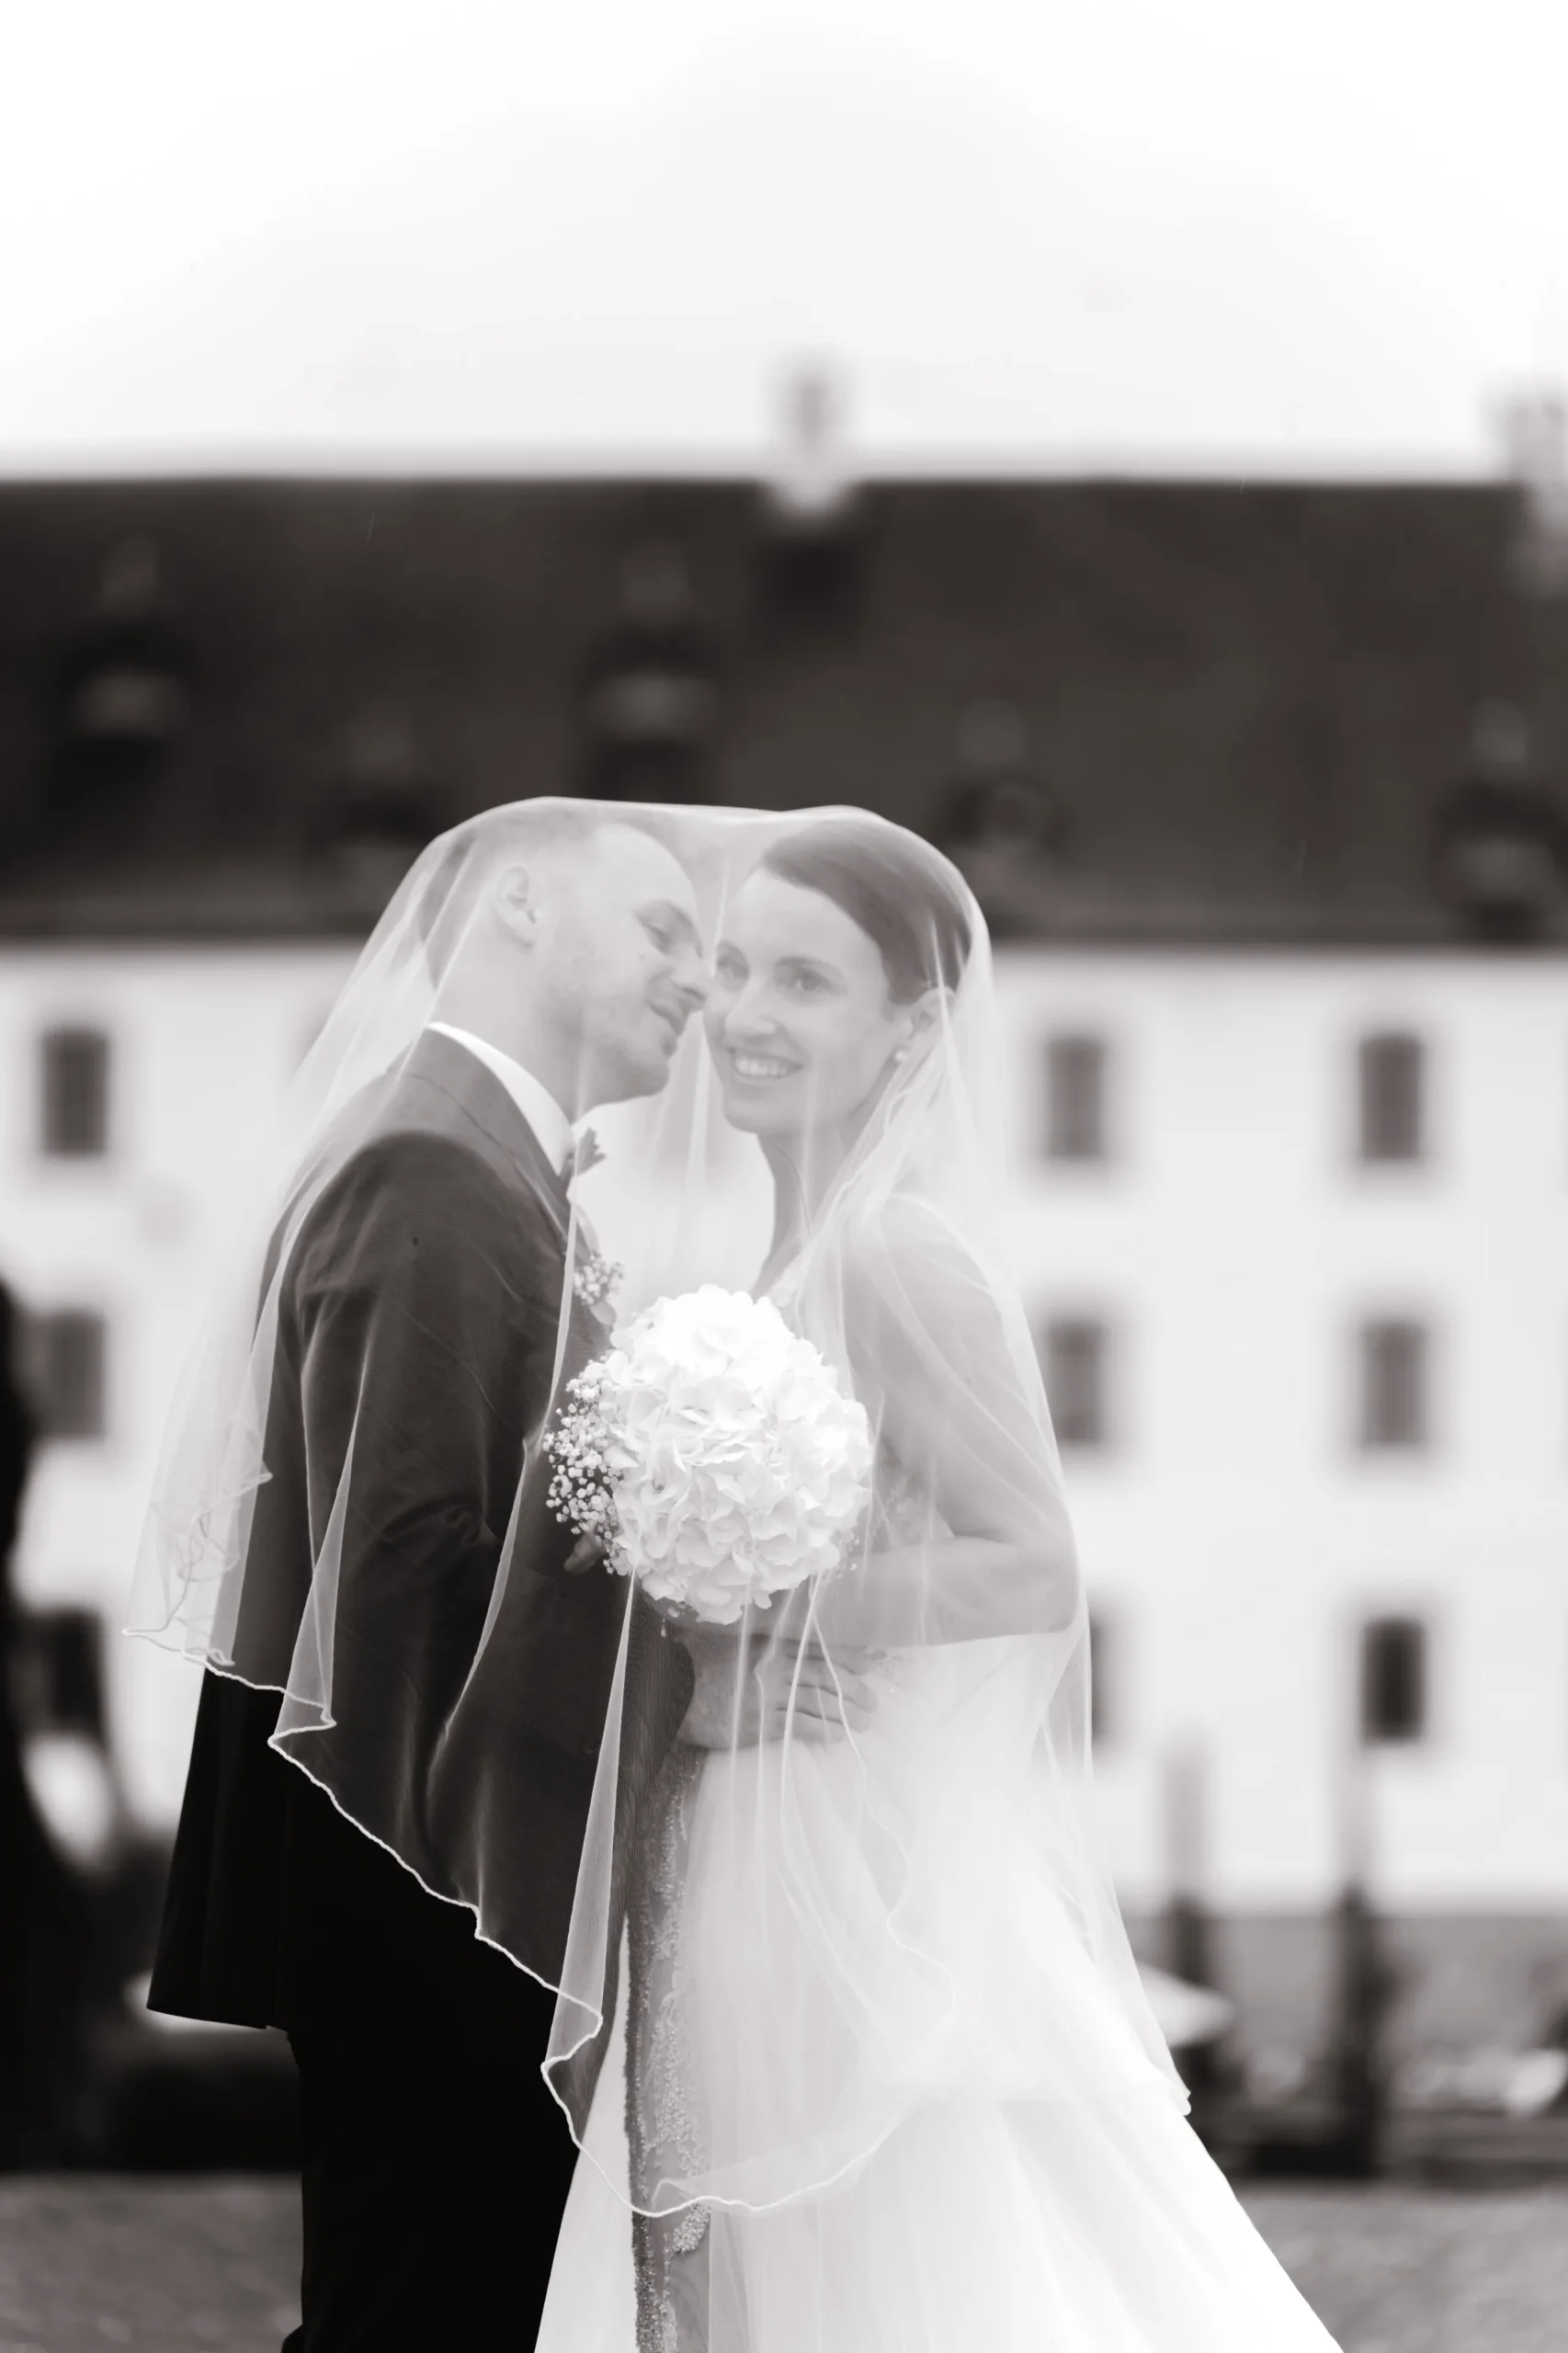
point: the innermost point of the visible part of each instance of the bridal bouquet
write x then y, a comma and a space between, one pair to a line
713, 1454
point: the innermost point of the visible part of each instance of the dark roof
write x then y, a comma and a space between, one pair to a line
1240, 707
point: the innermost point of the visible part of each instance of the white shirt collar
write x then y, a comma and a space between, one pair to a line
551, 1127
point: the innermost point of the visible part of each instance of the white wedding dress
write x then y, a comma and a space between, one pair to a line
856, 1970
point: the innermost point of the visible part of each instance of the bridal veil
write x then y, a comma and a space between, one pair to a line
874, 1921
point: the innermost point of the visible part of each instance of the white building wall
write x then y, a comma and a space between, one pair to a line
203, 1042
1232, 1534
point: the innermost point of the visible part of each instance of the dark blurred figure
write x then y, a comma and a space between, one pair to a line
1366, 1987
44, 1940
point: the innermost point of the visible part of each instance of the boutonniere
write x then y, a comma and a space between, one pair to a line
587, 1152
594, 1279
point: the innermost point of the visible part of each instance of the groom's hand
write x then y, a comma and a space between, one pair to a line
777, 1690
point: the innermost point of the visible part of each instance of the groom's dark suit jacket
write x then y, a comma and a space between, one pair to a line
419, 1307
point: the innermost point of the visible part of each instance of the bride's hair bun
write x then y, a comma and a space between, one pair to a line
903, 895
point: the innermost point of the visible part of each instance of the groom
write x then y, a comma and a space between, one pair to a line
435, 2163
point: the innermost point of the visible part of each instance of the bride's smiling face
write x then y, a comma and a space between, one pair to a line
800, 1019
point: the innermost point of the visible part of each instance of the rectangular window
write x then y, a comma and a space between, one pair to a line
1392, 1099
74, 1094
1075, 1070
61, 1661
1393, 1680
1395, 1382
1075, 1351
69, 1349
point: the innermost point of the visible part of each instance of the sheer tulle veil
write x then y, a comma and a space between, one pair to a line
908, 1884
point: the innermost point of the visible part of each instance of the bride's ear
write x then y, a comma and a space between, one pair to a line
927, 1016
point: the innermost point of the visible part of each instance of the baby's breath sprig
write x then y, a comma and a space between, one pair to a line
581, 1494
594, 1279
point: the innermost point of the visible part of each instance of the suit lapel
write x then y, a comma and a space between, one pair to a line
479, 1095
485, 1105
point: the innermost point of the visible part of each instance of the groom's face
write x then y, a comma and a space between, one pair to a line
627, 967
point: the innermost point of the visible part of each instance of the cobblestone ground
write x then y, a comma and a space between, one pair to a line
1426, 2272
209, 2266
173, 2267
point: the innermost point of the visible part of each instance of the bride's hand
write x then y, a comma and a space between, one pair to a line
780, 1689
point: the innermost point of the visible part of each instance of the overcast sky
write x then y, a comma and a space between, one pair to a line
1282, 235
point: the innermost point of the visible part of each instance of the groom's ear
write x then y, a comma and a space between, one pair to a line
516, 901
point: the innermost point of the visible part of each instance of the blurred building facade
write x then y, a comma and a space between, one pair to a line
1295, 1230
1261, 791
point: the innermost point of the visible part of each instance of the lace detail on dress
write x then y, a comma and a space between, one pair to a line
661, 2123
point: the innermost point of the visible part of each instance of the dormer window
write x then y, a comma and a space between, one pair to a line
1000, 821
123, 704
126, 684
1500, 834
650, 698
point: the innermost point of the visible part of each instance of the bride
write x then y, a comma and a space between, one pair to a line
880, 2077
